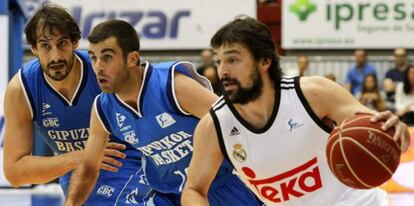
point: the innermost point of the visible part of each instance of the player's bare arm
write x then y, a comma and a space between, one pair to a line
204, 164
192, 96
84, 178
20, 166
328, 99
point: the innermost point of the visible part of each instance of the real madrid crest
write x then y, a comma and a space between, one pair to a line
238, 153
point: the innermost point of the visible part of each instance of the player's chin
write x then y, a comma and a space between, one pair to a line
57, 76
106, 89
230, 92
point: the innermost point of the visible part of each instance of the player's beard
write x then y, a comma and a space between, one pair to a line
59, 75
244, 95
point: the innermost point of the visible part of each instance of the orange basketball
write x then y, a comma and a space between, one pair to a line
360, 154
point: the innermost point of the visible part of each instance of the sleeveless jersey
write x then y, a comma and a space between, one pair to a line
160, 129
284, 163
64, 124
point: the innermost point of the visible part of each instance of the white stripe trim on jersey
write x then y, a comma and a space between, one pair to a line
127, 105
123, 188
288, 80
95, 107
70, 103
219, 102
191, 69
287, 85
144, 80
19, 73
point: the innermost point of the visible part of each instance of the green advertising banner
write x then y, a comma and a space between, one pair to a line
339, 24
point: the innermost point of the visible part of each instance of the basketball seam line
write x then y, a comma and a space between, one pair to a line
367, 128
370, 153
354, 119
347, 163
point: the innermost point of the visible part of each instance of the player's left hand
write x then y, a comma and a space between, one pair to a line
112, 152
402, 135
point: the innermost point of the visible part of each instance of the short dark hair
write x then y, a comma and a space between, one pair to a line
255, 36
125, 35
51, 17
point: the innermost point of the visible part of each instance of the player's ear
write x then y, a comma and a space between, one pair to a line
34, 50
265, 63
133, 59
75, 44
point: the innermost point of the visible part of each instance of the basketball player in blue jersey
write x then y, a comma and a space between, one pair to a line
52, 96
155, 108
271, 129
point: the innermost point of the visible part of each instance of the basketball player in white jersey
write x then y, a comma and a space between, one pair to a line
271, 128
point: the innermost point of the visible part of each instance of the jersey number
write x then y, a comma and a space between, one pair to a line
183, 176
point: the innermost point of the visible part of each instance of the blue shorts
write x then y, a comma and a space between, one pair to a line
226, 191
118, 190
231, 191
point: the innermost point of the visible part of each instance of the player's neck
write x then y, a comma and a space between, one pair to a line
131, 88
258, 112
67, 86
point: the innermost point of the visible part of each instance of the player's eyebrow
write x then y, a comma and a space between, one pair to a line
108, 50
232, 51
46, 40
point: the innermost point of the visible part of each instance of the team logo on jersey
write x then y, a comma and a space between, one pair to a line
120, 118
105, 190
294, 125
238, 153
165, 120
234, 131
126, 129
45, 107
130, 197
282, 187
51, 122
130, 137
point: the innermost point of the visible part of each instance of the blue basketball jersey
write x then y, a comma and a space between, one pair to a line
64, 124
160, 129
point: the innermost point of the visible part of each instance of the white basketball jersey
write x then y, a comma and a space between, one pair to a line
284, 163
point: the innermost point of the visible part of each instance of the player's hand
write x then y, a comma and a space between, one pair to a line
113, 151
402, 135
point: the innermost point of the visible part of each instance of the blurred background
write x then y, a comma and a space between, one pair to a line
336, 39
